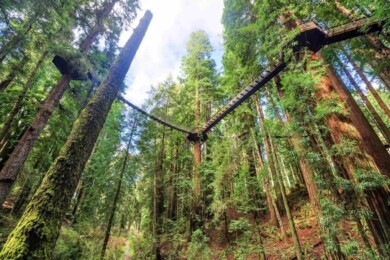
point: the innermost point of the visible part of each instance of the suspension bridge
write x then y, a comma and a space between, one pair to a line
311, 36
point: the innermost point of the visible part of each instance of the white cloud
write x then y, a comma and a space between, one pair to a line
161, 51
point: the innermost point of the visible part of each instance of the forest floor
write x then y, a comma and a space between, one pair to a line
276, 247
235, 245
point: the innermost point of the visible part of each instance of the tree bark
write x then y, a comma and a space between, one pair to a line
37, 230
196, 214
117, 193
15, 162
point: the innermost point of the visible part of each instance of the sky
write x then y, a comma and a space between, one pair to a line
163, 47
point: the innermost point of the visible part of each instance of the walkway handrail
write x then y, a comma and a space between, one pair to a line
158, 120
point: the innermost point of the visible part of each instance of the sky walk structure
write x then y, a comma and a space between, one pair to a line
312, 36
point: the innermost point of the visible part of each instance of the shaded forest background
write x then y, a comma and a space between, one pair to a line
299, 170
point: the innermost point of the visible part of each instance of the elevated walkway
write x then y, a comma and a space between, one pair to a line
311, 36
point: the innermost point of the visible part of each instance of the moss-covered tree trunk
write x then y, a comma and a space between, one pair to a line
15, 162
37, 231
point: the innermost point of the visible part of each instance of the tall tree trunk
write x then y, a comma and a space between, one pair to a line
15, 162
80, 191
331, 241
271, 164
254, 196
266, 184
291, 223
37, 230
8, 146
355, 127
374, 93
18, 104
368, 140
117, 193
98, 27
196, 212
302, 166
172, 200
386, 80
306, 169
158, 198
382, 126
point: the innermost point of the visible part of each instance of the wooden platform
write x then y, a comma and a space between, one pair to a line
66, 67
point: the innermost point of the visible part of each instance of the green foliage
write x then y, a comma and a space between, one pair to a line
236, 164
244, 244
68, 245
240, 225
351, 249
197, 248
